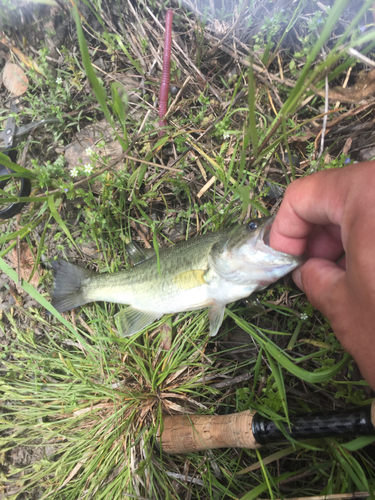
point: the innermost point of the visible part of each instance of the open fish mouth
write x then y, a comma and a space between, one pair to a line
281, 258
266, 230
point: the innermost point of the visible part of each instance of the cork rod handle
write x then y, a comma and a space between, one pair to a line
188, 433
248, 429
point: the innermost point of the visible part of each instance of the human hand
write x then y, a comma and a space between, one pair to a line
327, 214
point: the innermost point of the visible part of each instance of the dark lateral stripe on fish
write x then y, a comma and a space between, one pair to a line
68, 292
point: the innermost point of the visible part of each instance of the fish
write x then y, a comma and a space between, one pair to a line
208, 271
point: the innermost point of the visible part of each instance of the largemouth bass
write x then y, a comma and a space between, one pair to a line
207, 271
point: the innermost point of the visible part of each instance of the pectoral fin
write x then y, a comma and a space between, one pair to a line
215, 315
190, 279
131, 320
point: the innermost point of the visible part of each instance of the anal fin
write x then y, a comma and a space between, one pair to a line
130, 320
215, 315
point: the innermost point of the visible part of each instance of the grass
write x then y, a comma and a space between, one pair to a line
85, 406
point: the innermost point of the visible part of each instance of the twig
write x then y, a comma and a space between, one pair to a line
326, 88
206, 186
361, 57
188, 479
176, 99
18, 227
156, 165
344, 85
144, 121
232, 381
324, 119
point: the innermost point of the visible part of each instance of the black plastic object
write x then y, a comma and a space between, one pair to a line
25, 189
353, 422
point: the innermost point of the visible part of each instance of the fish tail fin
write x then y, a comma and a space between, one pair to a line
68, 290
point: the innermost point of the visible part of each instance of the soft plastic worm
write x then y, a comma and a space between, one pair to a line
164, 86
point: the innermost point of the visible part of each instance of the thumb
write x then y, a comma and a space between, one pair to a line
323, 282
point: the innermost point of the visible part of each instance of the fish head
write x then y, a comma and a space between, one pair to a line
243, 255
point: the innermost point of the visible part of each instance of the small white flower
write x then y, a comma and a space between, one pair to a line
304, 316
89, 151
226, 135
74, 172
59, 80
88, 168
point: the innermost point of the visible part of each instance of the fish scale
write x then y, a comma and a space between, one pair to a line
206, 271
143, 283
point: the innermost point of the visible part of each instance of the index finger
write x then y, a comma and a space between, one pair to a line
316, 199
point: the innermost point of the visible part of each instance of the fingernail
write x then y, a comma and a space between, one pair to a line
297, 278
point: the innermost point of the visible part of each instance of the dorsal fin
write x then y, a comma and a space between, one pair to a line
137, 254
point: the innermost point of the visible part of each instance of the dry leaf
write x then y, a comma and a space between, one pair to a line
27, 261
348, 145
21, 56
14, 79
166, 335
173, 406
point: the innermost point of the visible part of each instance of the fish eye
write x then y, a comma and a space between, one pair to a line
252, 226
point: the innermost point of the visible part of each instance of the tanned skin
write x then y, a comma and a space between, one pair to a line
325, 215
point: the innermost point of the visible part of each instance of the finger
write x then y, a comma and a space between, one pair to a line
323, 281
325, 243
342, 263
317, 199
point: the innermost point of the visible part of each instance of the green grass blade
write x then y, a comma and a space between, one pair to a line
4, 160
90, 72
21, 232
276, 372
301, 83
358, 443
313, 378
126, 52
119, 109
23, 199
58, 219
252, 119
353, 25
96, 85
40, 249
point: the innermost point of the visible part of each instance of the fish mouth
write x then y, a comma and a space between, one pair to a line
266, 230
264, 236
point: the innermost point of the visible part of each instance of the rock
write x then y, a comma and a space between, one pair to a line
100, 139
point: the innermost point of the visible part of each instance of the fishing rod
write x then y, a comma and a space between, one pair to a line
249, 429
